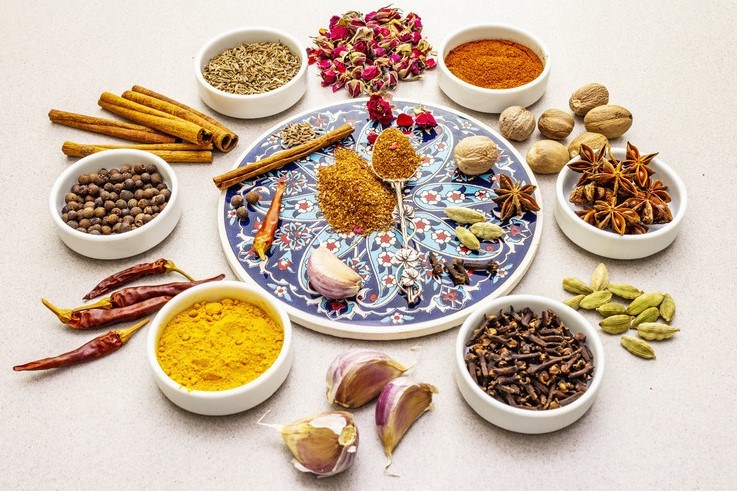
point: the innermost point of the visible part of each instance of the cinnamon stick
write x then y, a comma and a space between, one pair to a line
225, 140
170, 152
153, 118
282, 158
110, 127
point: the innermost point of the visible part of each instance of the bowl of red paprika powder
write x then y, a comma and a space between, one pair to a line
490, 67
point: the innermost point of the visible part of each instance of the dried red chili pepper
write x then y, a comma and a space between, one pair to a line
265, 236
97, 348
113, 281
90, 319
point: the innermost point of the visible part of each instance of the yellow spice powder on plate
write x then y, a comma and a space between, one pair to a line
219, 345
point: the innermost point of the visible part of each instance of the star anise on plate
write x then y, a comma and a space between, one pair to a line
588, 215
651, 203
513, 198
590, 163
617, 217
637, 166
615, 177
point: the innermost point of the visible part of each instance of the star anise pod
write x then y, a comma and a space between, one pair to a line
588, 215
615, 177
513, 199
590, 163
588, 193
637, 166
617, 217
636, 229
650, 204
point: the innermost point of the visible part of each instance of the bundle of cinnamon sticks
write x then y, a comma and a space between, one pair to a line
163, 126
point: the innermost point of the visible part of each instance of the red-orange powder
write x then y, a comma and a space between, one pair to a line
494, 63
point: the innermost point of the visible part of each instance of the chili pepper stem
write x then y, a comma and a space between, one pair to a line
170, 266
103, 303
64, 315
125, 334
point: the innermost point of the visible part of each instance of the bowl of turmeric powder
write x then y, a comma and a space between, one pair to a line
491, 67
220, 349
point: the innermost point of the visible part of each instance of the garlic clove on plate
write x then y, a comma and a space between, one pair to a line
357, 376
330, 276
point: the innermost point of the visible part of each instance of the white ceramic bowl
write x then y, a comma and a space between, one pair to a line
492, 100
257, 105
115, 246
610, 244
231, 401
524, 420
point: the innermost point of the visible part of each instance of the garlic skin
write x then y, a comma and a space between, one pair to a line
330, 276
323, 444
400, 404
357, 376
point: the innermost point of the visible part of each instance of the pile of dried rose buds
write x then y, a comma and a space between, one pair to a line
367, 54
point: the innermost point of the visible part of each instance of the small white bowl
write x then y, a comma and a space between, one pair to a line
230, 401
115, 246
493, 100
257, 105
525, 420
610, 244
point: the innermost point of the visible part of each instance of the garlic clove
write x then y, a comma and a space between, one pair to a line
357, 376
330, 276
400, 404
323, 444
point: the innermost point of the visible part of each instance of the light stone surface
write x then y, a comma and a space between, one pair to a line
665, 424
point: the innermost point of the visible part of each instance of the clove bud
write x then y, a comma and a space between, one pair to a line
324, 444
400, 404
330, 276
357, 376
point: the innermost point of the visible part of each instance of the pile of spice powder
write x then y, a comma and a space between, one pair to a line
352, 198
494, 63
221, 345
394, 157
252, 68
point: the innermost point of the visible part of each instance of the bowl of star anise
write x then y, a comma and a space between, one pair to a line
619, 203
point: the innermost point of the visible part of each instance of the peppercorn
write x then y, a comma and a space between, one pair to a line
106, 230
129, 219
158, 199
72, 206
146, 177
148, 193
252, 197
89, 204
64, 217
125, 168
99, 201
69, 197
118, 187
85, 223
156, 179
93, 189
88, 212
88, 199
124, 227
99, 180
112, 219
94, 232
139, 168
108, 186
95, 220
72, 215
73, 223
236, 201
150, 168
241, 213
84, 179
126, 194
161, 186
143, 203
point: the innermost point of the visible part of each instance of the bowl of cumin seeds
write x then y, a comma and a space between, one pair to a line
251, 72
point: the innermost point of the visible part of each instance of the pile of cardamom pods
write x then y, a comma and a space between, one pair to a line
642, 313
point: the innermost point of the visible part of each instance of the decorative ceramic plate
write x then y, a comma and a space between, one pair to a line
380, 311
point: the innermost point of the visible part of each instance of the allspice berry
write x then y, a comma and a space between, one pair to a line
596, 141
516, 123
547, 157
611, 121
588, 97
555, 124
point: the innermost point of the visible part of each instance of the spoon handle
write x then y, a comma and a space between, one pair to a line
407, 280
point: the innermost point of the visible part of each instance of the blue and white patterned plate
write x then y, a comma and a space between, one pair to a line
379, 311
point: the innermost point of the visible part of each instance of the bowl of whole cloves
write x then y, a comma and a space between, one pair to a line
528, 363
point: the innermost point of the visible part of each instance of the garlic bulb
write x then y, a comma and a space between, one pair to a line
330, 276
324, 444
357, 376
400, 404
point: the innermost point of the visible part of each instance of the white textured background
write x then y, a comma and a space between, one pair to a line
667, 423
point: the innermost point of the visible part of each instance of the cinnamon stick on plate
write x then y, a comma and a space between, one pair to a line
170, 152
282, 158
159, 120
109, 127
223, 138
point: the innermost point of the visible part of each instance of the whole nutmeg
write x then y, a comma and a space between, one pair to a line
611, 121
555, 124
547, 157
516, 123
588, 97
475, 155
594, 140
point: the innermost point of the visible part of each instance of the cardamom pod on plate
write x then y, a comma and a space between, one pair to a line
464, 215
486, 230
467, 238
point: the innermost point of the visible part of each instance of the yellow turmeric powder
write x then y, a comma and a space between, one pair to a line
219, 345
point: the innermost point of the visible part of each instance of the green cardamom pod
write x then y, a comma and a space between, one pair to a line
622, 290
637, 347
647, 315
644, 302
574, 302
667, 308
611, 308
467, 238
596, 299
576, 286
600, 278
464, 215
486, 230
616, 324
654, 331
